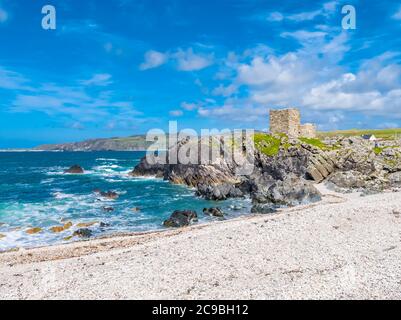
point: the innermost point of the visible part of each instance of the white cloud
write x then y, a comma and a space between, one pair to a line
153, 59
275, 16
303, 35
397, 15
327, 10
239, 112
225, 91
304, 16
71, 103
176, 113
189, 61
186, 60
100, 79
3, 15
12, 80
188, 106
311, 78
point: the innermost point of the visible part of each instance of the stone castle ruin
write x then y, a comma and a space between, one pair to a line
288, 121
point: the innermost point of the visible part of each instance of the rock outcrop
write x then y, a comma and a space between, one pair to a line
181, 219
283, 169
291, 191
214, 212
75, 169
83, 233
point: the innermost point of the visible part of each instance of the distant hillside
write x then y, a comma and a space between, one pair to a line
379, 133
134, 143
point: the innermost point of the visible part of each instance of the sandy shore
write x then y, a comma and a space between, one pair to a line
343, 247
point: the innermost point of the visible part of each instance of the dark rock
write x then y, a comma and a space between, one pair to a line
75, 169
266, 208
214, 212
181, 219
108, 209
83, 233
291, 191
146, 169
110, 195
219, 192
104, 224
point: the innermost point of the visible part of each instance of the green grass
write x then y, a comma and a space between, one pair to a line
316, 143
267, 144
379, 133
378, 150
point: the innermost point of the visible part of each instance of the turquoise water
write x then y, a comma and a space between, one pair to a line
35, 193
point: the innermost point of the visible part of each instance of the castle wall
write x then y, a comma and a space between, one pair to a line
307, 130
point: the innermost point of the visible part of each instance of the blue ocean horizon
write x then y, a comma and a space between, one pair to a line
35, 193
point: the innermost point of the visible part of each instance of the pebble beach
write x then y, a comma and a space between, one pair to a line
344, 247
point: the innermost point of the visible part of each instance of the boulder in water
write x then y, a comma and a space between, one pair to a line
59, 229
110, 195
83, 233
75, 169
108, 209
86, 224
214, 212
104, 224
34, 230
265, 208
181, 219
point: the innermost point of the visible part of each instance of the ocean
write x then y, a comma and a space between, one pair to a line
35, 193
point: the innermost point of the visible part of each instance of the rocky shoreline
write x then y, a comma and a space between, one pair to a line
285, 170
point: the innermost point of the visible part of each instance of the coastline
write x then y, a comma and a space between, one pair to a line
344, 247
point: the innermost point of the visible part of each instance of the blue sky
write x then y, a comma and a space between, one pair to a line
119, 68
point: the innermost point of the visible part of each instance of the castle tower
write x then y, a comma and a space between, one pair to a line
287, 121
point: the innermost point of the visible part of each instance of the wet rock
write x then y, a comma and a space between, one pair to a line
75, 169
110, 195
2, 236
58, 229
86, 224
83, 233
146, 169
266, 208
214, 212
108, 209
34, 230
104, 225
219, 192
136, 209
181, 219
